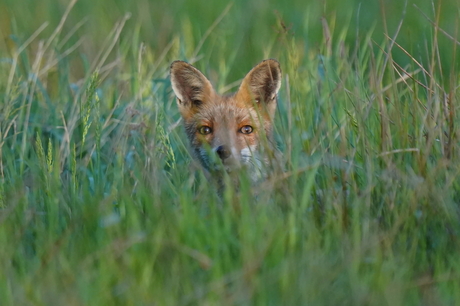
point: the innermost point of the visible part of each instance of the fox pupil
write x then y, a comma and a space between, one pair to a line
247, 129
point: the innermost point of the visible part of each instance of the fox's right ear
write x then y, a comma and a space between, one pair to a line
191, 87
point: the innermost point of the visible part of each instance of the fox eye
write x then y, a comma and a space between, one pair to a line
205, 130
247, 129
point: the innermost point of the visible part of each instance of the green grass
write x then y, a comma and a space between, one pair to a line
101, 204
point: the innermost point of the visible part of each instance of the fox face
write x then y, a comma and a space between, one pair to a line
226, 132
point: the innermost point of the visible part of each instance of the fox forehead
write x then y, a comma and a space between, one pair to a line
226, 111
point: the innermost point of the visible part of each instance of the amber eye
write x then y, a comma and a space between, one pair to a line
247, 129
205, 130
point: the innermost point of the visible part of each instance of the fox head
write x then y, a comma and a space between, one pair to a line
227, 130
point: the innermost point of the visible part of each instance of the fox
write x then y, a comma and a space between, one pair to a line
227, 133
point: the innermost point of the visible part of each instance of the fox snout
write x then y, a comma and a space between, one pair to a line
222, 155
223, 152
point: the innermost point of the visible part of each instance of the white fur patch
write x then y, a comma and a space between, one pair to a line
246, 152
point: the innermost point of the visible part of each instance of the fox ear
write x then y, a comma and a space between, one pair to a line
191, 87
262, 82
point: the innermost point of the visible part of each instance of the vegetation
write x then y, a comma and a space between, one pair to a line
101, 203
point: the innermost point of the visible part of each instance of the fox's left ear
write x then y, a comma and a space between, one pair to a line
262, 83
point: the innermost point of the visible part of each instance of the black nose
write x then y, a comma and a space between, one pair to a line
223, 152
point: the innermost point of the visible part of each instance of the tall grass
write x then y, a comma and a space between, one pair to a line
102, 204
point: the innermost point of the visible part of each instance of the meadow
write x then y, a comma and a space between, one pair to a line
101, 202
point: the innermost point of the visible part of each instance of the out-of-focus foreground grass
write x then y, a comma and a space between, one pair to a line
100, 203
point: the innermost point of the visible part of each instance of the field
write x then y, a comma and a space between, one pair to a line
101, 202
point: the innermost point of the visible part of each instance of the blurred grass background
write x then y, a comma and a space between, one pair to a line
246, 27
100, 203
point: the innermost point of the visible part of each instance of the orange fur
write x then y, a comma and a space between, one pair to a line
229, 127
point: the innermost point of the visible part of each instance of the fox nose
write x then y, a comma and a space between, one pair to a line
223, 152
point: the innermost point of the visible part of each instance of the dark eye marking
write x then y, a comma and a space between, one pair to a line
197, 102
